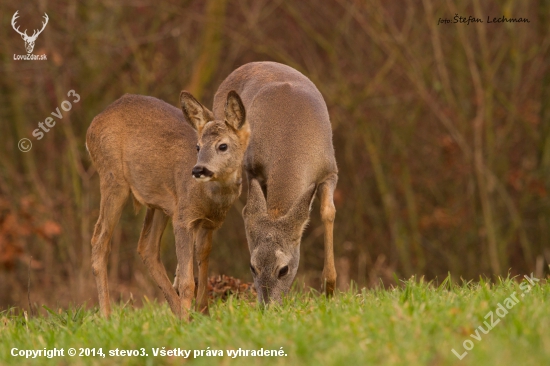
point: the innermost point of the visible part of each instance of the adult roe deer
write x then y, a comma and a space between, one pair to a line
289, 157
144, 146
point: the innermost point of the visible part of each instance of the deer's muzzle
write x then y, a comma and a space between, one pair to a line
202, 173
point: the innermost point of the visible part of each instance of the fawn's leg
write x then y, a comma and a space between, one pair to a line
149, 250
203, 247
113, 197
184, 276
328, 213
176, 284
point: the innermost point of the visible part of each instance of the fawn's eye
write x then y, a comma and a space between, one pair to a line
222, 147
252, 270
283, 271
198, 148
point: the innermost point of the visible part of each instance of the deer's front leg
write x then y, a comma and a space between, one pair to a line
185, 281
203, 247
149, 250
328, 214
176, 284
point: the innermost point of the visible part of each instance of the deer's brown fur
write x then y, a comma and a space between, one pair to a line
145, 147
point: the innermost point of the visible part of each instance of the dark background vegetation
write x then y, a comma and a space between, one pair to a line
442, 133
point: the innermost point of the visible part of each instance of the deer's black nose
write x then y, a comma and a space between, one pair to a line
201, 172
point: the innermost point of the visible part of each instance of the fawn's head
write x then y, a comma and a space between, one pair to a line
274, 243
221, 143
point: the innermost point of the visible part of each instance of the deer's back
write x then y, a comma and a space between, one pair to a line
291, 137
147, 143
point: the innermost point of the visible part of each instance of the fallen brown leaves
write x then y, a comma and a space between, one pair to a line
17, 224
222, 286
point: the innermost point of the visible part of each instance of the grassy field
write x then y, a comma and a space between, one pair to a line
415, 324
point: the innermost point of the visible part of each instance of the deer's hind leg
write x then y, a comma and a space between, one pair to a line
149, 250
325, 193
113, 196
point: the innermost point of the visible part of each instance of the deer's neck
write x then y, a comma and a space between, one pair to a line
222, 193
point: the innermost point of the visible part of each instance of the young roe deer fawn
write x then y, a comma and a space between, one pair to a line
143, 146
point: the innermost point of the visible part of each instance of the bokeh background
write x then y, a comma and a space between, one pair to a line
442, 133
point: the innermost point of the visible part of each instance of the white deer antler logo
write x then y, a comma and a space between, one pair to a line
29, 41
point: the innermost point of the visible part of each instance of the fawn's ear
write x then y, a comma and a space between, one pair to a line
196, 114
235, 115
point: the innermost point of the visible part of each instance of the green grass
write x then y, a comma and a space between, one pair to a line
415, 324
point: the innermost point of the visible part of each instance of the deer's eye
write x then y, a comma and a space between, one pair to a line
222, 147
283, 271
198, 148
252, 269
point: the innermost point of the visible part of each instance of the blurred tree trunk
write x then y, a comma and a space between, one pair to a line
210, 50
389, 204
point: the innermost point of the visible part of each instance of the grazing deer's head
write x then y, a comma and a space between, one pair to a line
274, 243
29, 40
222, 143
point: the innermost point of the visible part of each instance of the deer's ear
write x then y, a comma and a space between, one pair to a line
235, 114
196, 114
256, 206
298, 216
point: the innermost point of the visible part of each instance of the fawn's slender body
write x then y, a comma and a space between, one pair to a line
289, 157
146, 147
